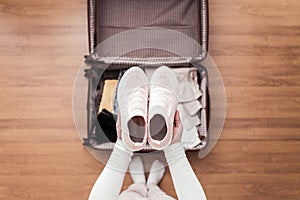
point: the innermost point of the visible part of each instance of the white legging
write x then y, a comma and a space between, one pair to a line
109, 183
140, 191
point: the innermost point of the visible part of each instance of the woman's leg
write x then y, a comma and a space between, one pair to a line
155, 193
137, 191
157, 172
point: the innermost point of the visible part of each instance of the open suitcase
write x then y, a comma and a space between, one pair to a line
126, 33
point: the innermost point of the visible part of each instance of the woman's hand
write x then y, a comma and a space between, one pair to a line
177, 129
118, 127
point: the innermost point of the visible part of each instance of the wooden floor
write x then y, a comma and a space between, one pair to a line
256, 45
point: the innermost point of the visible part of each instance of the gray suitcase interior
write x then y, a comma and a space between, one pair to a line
109, 18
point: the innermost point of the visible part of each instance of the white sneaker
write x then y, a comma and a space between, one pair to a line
133, 100
162, 107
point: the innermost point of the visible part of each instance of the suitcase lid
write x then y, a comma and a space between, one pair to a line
147, 32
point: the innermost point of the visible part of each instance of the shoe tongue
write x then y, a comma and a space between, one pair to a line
163, 105
136, 112
137, 104
158, 110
